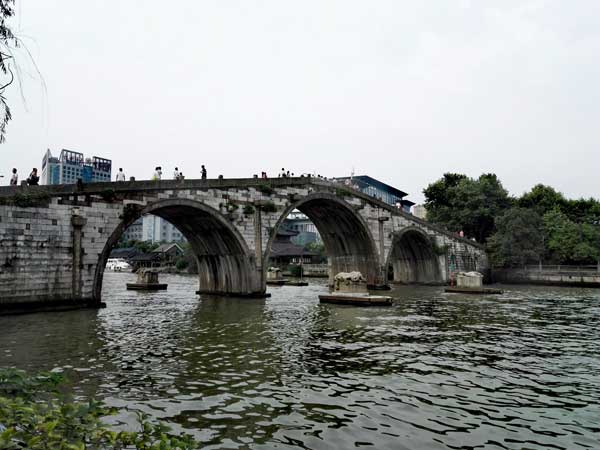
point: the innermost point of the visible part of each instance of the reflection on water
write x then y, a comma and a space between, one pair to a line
434, 371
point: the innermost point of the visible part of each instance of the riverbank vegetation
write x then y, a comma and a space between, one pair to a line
539, 226
36, 414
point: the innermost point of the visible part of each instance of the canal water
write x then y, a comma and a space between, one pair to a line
435, 371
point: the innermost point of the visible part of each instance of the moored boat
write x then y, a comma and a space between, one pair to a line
358, 299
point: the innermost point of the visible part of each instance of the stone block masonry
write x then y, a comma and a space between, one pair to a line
55, 240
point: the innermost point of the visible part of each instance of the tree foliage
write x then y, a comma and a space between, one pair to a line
7, 42
571, 242
542, 199
541, 224
34, 415
465, 204
518, 240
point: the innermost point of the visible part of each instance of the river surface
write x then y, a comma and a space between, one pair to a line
435, 371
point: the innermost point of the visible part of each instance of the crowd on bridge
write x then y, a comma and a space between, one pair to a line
32, 180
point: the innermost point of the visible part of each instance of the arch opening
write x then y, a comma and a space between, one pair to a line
349, 245
413, 260
225, 264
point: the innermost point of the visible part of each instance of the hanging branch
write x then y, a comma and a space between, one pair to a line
7, 40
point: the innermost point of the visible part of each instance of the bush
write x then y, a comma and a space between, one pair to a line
439, 249
35, 416
295, 271
269, 207
341, 192
108, 195
181, 264
27, 200
248, 209
265, 189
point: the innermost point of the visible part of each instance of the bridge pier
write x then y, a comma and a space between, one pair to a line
78, 223
55, 240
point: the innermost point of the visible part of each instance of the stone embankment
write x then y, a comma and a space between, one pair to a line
583, 276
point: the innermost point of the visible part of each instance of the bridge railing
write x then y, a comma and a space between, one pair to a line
573, 270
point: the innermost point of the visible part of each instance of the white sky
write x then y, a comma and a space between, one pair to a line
400, 90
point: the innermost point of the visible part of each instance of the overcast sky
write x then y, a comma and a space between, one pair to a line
400, 90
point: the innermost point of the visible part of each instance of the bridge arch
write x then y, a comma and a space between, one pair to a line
225, 264
412, 258
348, 241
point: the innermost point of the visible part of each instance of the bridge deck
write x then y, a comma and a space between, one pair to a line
214, 183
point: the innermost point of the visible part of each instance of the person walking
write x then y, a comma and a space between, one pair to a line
33, 179
176, 174
120, 175
157, 174
203, 171
14, 180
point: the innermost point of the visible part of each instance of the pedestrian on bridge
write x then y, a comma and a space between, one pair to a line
203, 172
176, 174
120, 175
157, 174
33, 179
14, 180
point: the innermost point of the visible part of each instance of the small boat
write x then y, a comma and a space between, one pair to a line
117, 265
280, 282
358, 299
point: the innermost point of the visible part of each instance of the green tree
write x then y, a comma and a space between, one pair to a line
146, 246
583, 210
467, 204
542, 199
317, 247
518, 239
562, 236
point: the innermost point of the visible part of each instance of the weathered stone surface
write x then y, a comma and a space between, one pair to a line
55, 253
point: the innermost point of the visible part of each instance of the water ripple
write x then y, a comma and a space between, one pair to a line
435, 371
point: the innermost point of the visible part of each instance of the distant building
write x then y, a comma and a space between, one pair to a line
379, 190
165, 255
157, 229
152, 228
71, 166
420, 211
135, 231
125, 253
306, 230
284, 252
169, 252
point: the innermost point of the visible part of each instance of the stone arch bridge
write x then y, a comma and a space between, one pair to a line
55, 240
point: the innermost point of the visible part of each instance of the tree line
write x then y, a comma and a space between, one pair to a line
539, 226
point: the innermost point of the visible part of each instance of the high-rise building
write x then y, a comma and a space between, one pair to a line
157, 229
152, 228
135, 231
71, 166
